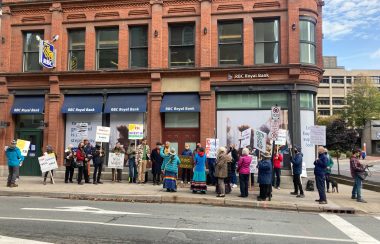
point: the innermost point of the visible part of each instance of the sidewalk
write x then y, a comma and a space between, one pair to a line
282, 200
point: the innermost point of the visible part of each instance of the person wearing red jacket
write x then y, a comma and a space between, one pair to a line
277, 160
80, 156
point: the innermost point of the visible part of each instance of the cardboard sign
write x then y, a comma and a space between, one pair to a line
187, 162
276, 113
281, 137
48, 162
318, 135
103, 134
260, 140
212, 145
245, 138
116, 160
23, 146
253, 166
135, 131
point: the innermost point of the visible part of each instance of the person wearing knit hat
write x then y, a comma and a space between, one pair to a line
265, 176
15, 159
170, 169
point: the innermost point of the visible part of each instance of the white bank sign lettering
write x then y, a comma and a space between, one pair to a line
179, 109
130, 109
80, 110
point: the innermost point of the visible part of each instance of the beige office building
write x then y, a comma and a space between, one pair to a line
337, 83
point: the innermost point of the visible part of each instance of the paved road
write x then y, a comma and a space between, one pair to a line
70, 221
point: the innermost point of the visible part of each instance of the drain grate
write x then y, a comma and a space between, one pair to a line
339, 210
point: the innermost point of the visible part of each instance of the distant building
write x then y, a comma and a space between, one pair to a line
336, 84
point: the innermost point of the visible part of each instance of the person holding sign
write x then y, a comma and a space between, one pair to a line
277, 160
170, 169
297, 171
265, 176
221, 170
143, 155
15, 159
131, 152
118, 150
244, 171
69, 163
186, 172
98, 164
49, 150
80, 156
199, 177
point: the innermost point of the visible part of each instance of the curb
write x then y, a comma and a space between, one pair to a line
184, 200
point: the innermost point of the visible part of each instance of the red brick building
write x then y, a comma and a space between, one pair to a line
186, 69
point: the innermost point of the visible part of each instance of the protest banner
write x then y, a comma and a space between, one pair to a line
281, 137
318, 135
135, 131
23, 146
103, 134
260, 140
212, 145
116, 160
187, 162
253, 165
245, 138
48, 162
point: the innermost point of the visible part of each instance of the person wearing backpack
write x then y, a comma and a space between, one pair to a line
319, 171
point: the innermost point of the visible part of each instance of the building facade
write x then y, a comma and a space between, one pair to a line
186, 69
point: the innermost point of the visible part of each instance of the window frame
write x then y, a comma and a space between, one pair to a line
278, 42
183, 24
220, 22
138, 47
41, 33
97, 31
70, 50
314, 22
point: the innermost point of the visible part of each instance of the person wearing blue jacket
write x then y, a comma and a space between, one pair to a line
15, 159
265, 177
170, 169
297, 171
319, 171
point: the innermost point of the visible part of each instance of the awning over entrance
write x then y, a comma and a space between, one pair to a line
28, 105
126, 103
79, 104
182, 103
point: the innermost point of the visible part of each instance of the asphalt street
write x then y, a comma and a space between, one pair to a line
72, 221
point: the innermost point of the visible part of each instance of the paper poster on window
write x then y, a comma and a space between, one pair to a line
81, 126
308, 149
119, 127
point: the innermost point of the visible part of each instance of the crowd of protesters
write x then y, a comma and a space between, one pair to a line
222, 170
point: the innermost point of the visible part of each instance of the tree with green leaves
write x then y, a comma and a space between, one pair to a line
340, 138
362, 103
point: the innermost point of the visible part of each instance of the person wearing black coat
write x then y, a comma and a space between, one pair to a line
235, 159
297, 171
69, 163
98, 159
156, 164
265, 177
319, 171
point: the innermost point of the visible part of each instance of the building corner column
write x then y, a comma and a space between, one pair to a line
207, 113
154, 114
295, 118
155, 35
6, 130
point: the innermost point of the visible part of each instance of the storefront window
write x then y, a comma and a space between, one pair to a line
266, 42
230, 43
31, 50
138, 46
181, 120
107, 48
30, 121
181, 46
306, 100
307, 41
267, 100
76, 49
252, 100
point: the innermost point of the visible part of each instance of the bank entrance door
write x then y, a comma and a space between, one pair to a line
180, 136
31, 167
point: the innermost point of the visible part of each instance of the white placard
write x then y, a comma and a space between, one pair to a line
135, 131
48, 162
304, 172
308, 149
274, 127
103, 134
116, 160
246, 138
281, 137
253, 165
276, 113
212, 145
260, 140
318, 135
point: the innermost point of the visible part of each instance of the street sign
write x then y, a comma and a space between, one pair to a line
47, 55
276, 113
274, 127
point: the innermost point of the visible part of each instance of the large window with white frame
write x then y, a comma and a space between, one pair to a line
230, 36
267, 42
307, 41
107, 48
31, 50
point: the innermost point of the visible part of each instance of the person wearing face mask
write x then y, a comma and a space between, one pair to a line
49, 150
186, 173
297, 171
15, 159
80, 155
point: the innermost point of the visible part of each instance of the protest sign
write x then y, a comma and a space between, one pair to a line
253, 165
23, 146
260, 140
245, 138
102, 134
281, 137
135, 131
116, 160
212, 145
304, 172
187, 162
48, 162
318, 135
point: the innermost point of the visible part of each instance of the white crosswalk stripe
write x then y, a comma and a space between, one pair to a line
349, 229
11, 240
377, 217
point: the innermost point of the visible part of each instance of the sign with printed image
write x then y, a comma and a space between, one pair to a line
116, 160
135, 131
23, 146
102, 134
212, 145
260, 140
253, 165
48, 162
187, 162
245, 138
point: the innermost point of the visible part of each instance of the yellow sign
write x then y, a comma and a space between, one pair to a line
23, 146
187, 162
135, 131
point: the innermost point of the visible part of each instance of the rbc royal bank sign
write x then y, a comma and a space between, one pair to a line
47, 55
